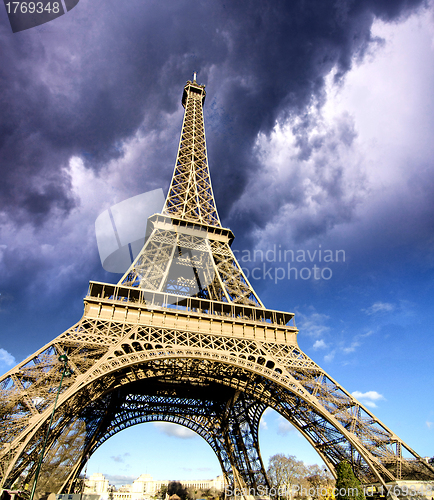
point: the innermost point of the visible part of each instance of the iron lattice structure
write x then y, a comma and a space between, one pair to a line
184, 338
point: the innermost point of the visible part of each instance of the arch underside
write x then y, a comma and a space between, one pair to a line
134, 374
227, 419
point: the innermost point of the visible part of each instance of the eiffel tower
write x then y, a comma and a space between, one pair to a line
184, 338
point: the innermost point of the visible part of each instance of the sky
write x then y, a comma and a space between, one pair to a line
319, 118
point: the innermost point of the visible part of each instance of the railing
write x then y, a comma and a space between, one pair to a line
157, 300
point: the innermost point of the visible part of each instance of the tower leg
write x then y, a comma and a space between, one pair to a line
240, 426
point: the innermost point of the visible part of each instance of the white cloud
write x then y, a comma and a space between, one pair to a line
429, 424
174, 430
284, 427
314, 324
351, 348
379, 307
368, 147
368, 398
64, 248
267, 413
367, 334
6, 358
330, 356
311, 165
389, 126
319, 344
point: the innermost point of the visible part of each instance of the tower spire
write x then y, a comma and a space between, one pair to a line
187, 251
190, 195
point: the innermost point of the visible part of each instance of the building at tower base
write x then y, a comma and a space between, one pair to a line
144, 487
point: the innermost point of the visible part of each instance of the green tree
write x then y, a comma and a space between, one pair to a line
176, 488
162, 493
347, 485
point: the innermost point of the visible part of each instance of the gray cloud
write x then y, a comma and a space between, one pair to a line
309, 185
102, 85
120, 458
93, 78
119, 479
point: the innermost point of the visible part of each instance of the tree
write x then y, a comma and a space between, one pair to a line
284, 472
320, 480
192, 493
207, 493
176, 488
162, 493
347, 485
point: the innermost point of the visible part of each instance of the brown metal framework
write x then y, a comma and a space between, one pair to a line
184, 338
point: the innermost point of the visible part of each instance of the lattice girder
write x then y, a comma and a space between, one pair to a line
287, 383
189, 260
189, 221
190, 195
202, 410
185, 314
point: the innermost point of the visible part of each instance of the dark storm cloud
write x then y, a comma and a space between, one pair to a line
88, 81
280, 54
312, 189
